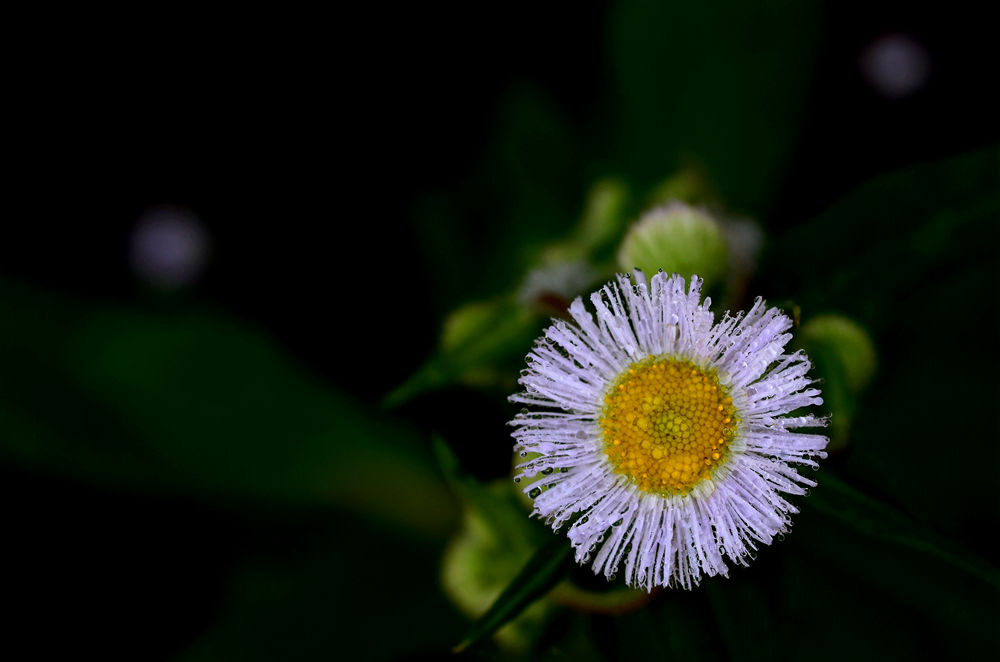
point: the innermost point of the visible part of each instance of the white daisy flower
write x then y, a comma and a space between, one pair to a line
663, 437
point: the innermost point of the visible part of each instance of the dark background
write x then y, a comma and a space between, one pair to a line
364, 172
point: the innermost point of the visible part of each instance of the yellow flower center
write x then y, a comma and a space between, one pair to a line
667, 424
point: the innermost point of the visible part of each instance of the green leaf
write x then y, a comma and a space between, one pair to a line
839, 500
923, 238
604, 217
887, 237
723, 82
317, 590
477, 342
743, 617
199, 404
544, 570
478, 239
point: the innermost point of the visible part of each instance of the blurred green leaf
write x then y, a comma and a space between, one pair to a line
909, 255
888, 236
520, 195
544, 570
680, 622
837, 499
196, 403
689, 184
831, 575
329, 587
879, 591
724, 81
743, 617
605, 216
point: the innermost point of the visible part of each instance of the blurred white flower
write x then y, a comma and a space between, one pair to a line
169, 247
896, 65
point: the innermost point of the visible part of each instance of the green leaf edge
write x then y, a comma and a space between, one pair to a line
886, 523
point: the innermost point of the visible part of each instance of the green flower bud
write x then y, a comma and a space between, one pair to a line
845, 358
676, 238
845, 341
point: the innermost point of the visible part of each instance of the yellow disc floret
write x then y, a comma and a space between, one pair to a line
667, 424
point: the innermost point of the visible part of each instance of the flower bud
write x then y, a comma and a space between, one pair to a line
676, 238
845, 358
843, 340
